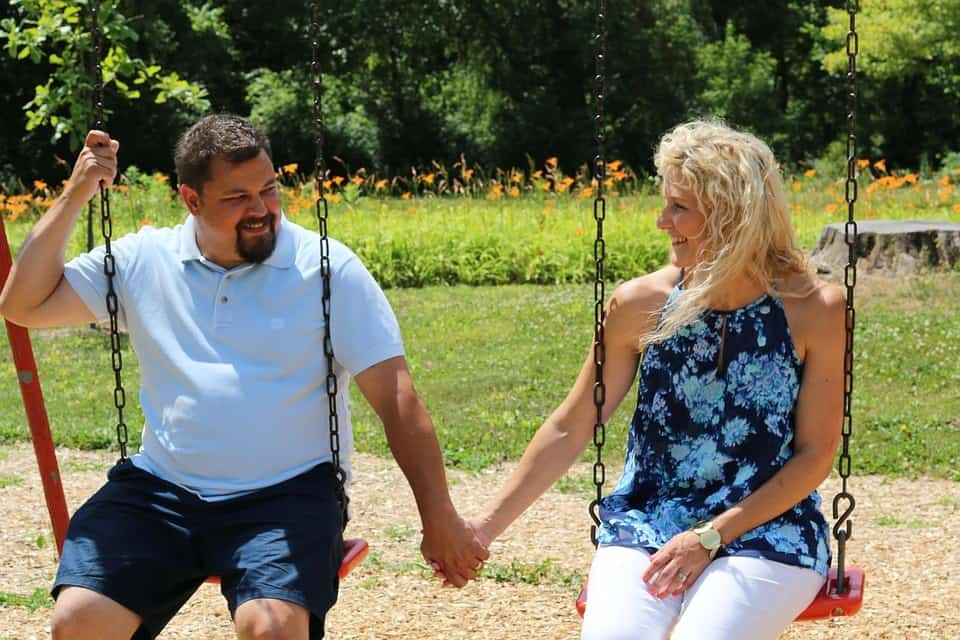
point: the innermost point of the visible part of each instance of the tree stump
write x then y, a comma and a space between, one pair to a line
891, 247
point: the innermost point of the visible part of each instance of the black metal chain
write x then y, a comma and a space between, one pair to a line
843, 527
322, 213
106, 225
599, 254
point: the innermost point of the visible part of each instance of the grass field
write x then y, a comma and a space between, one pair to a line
492, 362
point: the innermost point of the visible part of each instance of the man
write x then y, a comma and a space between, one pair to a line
234, 477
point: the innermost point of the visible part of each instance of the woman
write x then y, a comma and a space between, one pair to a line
714, 529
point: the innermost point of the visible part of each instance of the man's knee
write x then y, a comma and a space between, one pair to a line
81, 613
269, 619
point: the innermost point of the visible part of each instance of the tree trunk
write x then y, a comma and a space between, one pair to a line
891, 247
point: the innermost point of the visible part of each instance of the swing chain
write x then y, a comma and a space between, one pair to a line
320, 172
843, 527
106, 226
599, 254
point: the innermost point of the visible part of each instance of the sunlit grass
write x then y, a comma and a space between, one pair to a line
453, 225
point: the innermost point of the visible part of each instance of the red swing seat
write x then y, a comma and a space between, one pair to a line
827, 604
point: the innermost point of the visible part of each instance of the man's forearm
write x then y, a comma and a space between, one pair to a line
414, 444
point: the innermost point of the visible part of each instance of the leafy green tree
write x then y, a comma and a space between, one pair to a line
909, 68
53, 32
739, 83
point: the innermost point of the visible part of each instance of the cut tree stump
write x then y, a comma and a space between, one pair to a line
891, 247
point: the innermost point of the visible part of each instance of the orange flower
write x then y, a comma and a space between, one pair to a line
580, 231
552, 162
428, 178
338, 180
614, 165
514, 192
467, 174
289, 168
145, 223
862, 163
880, 165
796, 186
406, 195
943, 182
39, 185
516, 178
809, 173
380, 185
161, 177
357, 180
956, 208
831, 208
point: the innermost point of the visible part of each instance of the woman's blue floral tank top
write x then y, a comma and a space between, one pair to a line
714, 421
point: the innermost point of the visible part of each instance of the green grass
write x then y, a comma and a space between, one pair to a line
9, 481
492, 362
80, 466
39, 599
545, 572
538, 239
893, 521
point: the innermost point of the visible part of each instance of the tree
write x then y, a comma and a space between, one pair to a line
51, 32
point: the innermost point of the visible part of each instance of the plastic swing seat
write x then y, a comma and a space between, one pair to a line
827, 604
354, 551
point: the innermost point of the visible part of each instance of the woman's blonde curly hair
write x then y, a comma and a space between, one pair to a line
739, 190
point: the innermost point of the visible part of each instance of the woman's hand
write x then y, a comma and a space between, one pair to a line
677, 565
480, 535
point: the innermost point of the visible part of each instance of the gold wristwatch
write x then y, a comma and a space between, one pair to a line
709, 537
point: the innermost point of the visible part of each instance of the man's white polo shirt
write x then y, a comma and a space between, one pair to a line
231, 360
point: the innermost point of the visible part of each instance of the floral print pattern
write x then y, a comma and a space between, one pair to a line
714, 421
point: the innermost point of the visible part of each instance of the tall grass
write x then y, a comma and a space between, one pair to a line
516, 227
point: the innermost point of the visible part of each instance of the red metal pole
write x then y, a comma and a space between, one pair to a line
26, 367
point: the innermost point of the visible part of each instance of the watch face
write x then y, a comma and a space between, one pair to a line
710, 538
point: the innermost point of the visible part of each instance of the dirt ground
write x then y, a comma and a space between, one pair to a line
904, 536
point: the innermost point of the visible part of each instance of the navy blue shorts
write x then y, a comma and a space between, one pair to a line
149, 544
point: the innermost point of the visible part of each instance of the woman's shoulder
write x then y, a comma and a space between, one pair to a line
811, 316
816, 299
635, 305
647, 293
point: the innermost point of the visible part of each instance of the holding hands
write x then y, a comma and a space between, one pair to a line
455, 549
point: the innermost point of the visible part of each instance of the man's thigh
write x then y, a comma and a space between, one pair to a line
131, 542
280, 543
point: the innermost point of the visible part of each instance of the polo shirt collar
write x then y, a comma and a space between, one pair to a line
281, 258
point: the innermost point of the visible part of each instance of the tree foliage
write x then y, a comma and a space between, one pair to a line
501, 82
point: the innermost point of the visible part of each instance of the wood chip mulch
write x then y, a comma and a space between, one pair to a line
904, 536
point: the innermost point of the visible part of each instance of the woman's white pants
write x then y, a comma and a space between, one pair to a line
735, 598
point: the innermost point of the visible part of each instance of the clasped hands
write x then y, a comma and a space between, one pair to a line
456, 550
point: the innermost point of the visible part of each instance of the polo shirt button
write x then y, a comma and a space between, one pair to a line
224, 299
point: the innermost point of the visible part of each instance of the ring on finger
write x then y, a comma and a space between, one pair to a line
682, 576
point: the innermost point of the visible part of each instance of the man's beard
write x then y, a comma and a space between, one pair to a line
259, 248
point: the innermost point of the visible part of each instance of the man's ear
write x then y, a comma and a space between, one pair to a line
191, 198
